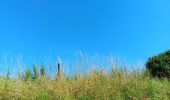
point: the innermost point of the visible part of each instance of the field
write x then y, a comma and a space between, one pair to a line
115, 83
118, 85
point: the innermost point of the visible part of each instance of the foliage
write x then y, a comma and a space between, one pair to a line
115, 84
36, 74
42, 71
159, 66
28, 74
97, 85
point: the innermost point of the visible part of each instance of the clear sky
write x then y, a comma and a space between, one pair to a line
135, 29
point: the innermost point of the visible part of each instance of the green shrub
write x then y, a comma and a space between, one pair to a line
42, 71
36, 74
28, 74
159, 66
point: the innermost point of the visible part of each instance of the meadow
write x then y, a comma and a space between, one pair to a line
114, 83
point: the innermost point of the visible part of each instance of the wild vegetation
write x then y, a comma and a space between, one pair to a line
159, 66
117, 84
96, 85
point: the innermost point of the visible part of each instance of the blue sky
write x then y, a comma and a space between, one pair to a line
135, 29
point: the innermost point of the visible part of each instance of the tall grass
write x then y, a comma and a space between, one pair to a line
98, 82
96, 85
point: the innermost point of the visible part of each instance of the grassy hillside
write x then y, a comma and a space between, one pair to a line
101, 81
95, 85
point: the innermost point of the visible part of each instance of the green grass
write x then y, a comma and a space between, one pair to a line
118, 85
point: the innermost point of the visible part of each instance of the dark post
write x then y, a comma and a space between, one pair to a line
59, 68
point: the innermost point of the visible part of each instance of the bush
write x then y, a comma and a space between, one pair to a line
36, 74
42, 71
28, 74
159, 66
